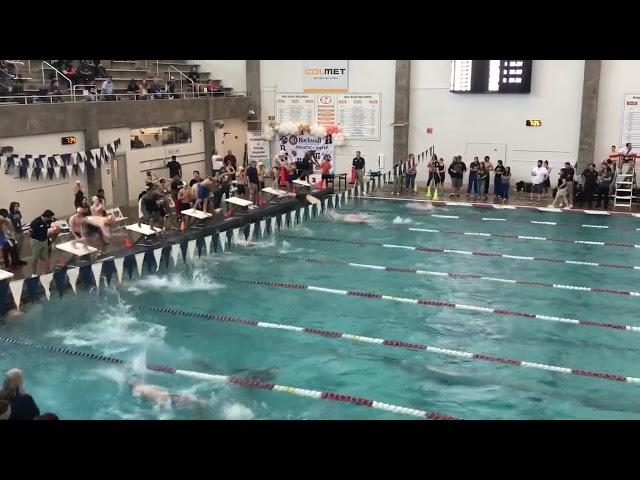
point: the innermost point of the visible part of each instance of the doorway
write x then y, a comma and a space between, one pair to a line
119, 181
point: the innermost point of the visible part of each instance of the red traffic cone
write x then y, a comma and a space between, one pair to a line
353, 175
128, 243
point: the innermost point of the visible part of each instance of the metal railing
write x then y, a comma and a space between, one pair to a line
193, 87
58, 72
51, 98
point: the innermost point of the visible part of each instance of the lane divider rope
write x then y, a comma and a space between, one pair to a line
432, 303
495, 219
395, 343
242, 382
457, 275
485, 234
459, 252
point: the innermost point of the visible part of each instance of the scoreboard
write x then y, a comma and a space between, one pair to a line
491, 76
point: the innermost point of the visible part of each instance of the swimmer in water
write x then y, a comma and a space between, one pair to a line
349, 217
163, 398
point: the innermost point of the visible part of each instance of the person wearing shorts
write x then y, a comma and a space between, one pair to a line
39, 229
538, 176
254, 181
456, 172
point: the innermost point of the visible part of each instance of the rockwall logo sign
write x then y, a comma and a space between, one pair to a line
325, 76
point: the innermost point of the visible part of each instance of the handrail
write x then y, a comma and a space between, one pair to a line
193, 89
57, 72
24, 99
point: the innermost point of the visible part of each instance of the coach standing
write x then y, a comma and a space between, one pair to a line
358, 164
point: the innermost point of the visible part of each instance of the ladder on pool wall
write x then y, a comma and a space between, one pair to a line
625, 185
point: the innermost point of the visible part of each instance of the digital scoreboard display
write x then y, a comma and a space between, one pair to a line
491, 76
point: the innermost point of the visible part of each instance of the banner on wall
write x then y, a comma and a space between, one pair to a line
297, 145
631, 119
258, 148
295, 107
325, 76
359, 115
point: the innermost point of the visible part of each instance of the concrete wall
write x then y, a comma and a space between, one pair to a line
365, 76
617, 78
37, 195
233, 136
462, 122
231, 72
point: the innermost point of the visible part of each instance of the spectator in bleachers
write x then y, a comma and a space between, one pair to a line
170, 87
133, 87
86, 72
54, 87
193, 74
154, 89
144, 90
98, 69
107, 89
72, 72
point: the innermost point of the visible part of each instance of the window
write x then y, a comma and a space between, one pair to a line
150, 137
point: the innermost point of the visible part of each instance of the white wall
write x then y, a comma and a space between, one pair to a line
36, 196
461, 119
139, 161
233, 136
617, 78
365, 76
231, 72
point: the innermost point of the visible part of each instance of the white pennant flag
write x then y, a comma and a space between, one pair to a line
157, 254
16, 291
119, 262
251, 229
191, 249
73, 273
83, 155
263, 228
236, 235
175, 253
283, 221
45, 280
322, 203
58, 160
272, 224
1, 160
93, 162
29, 172
96, 268
222, 240
97, 154
81, 165
56, 170
139, 262
299, 216
207, 243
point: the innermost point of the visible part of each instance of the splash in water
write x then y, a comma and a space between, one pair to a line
422, 206
401, 221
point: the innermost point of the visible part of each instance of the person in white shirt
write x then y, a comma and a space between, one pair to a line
538, 175
216, 161
627, 158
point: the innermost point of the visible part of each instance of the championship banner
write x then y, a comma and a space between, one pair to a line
297, 145
258, 148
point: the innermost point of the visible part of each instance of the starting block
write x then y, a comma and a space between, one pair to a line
238, 204
143, 229
76, 247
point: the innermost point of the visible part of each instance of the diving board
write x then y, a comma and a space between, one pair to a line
143, 229
4, 275
192, 212
76, 247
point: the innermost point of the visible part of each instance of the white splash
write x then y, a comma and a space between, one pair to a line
400, 220
236, 411
175, 283
422, 206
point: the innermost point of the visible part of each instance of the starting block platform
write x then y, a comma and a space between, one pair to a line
199, 214
276, 192
76, 247
143, 229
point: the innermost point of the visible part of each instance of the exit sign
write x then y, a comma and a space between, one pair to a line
534, 123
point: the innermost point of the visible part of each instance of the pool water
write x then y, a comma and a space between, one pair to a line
110, 322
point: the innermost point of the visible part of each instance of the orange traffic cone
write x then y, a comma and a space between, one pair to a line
319, 184
353, 175
128, 243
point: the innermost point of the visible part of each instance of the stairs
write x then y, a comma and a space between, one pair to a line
625, 185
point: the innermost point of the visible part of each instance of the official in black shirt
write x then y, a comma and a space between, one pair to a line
358, 164
590, 176
174, 167
497, 179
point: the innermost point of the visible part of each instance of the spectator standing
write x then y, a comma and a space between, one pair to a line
546, 186
98, 69
193, 74
230, 159
23, 407
253, 180
456, 172
325, 168
16, 220
358, 163
561, 200
78, 194
150, 179
505, 184
433, 173
196, 178
539, 175
483, 179
473, 177
497, 179
441, 172
569, 174
489, 168
175, 169
216, 162
590, 177
9, 242
605, 179
241, 182
411, 176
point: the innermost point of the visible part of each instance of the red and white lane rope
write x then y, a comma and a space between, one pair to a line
432, 303
395, 343
460, 252
456, 275
486, 234
508, 207
496, 219
338, 397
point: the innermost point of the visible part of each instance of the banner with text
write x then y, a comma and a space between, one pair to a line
258, 148
324, 76
295, 107
297, 145
359, 115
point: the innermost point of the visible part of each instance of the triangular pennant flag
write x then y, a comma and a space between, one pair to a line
119, 263
46, 283
175, 253
29, 172
222, 240
96, 268
83, 156
139, 262
272, 224
322, 204
81, 165
283, 221
207, 243
191, 249
56, 170
251, 229
97, 153
58, 160
157, 254
16, 291
263, 228
73, 277
236, 235
93, 162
